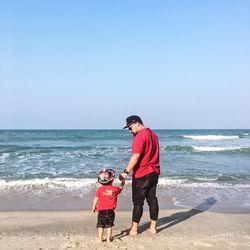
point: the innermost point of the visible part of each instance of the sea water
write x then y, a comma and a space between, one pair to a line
57, 169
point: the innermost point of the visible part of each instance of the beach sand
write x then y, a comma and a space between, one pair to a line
177, 229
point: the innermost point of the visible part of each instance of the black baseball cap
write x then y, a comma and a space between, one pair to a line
132, 119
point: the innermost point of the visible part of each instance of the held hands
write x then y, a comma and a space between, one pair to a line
122, 182
122, 176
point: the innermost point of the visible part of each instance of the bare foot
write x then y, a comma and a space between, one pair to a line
152, 230
133, 232
129, 232
109, 239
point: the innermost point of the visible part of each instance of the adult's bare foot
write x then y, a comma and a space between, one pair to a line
129, 232
133, 231
152, 230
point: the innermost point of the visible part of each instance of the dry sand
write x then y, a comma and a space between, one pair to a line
177, 229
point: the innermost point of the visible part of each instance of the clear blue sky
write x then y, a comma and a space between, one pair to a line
89, 64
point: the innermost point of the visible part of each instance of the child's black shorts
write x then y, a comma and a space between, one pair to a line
106, 218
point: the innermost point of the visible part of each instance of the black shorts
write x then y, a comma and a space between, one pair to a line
105, 218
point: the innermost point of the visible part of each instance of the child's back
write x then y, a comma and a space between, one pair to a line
105, 202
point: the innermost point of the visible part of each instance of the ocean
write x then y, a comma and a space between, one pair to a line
57, 169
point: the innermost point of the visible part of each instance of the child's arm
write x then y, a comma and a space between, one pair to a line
122, 184
94, 204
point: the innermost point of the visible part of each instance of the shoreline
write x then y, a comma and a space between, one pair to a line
169, 198
177, 229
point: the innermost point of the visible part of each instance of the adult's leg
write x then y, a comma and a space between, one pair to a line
153, 203
139, 190
138, 197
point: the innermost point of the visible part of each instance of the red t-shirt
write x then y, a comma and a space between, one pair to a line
107, 195
147, 145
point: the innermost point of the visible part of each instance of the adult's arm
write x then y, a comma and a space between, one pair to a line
131, 164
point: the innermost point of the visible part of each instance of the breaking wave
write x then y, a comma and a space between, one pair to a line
179, 148
211, 137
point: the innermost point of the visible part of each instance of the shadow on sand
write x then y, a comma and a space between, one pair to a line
169, 221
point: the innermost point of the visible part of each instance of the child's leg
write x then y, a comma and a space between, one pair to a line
109, 234
100, 234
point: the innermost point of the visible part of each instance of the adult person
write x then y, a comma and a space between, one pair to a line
144, 163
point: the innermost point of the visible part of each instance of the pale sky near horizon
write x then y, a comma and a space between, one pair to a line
90, 64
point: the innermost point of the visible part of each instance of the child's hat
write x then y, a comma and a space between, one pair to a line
106, 176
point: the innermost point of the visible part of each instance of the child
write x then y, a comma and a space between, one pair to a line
105, 202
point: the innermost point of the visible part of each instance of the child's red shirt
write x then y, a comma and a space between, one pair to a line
107, 195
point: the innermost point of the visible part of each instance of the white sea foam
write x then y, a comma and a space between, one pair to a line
171, 182
4, 156
211, 137
85, 185
207, 183
67, 184
211, 149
